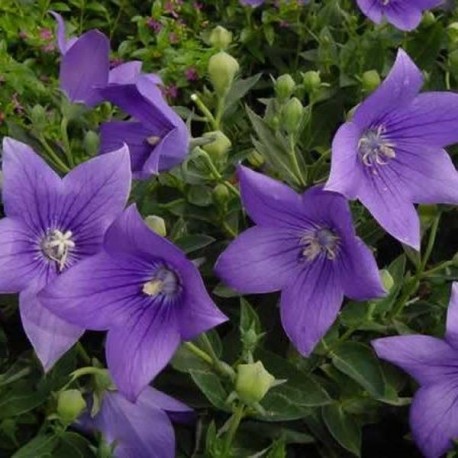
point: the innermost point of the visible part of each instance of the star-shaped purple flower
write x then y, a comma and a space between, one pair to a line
140, 430
304, 245
433, 363
403, 14
144, 291
85, 65
390, 155
51, 224
158, 139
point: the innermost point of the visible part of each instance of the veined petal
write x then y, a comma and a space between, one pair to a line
430, 119
130, 427
50, 336
134, 134
451, 333
260, 260
176, 410
61, 38
397, 90
428, 359
426, 174
434, 417
99, 292
310, 304
137, 351
18, 264
125, 73
31, 189
346, 171
372, 9
269, 202
404, 15
384, 195
95, 194
84, 67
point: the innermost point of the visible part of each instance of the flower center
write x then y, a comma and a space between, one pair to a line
57, 246
384, 2
153, 140
375, 148
163, 282
319, 241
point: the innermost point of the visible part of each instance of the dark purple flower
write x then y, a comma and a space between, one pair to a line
405, 15
50, 225
158, 139
433, 363
154, 24
140, 430
191, 74
85, 65
390, 155
145, 292
304, 245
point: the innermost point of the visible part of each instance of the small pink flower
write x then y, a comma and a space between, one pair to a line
154, 25
191, 74
23, 35
49, 48
171, 91
45, 34
173, 38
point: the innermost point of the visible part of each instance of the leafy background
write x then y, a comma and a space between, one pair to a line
342, 401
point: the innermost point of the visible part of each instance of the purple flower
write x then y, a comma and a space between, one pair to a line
252, 3
405, 15
390, 155
89, 54
50, 225
304, 245
158, 139
140, 430
433, 363
144, 291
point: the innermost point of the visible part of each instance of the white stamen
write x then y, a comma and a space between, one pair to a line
57, 245
320, 241
374, 148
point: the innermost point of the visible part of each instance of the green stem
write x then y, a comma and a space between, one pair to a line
220, 112
199, 353
236, 418
66, 141
431, 241
83, 353
294, 161
53, 156
441, 266
205, 111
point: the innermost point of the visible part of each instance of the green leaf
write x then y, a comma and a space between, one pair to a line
359, 362
194, 242
73, 445
239, 89
249, 319
210, 385
40, 446
343, 428
20, 398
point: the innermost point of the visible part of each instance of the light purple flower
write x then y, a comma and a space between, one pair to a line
158, 139
85, 65
140, 430
304, 246
252, 3
390, 155
50, 225
403, 14
144, 291
433, 363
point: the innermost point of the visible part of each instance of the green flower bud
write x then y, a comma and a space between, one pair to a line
292, 115
220, 194
156, 224
70, 403
284, 87
428, 19
91, 143
220, 38
370, 80
255, 158
253, 382
312, 81
219, 147
387, 280
222, 68
452, 32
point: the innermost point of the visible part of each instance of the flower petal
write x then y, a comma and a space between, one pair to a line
125, 73
404, 15
50, 336
346, 172
434, 417
95, 194
61, 39
384, 195
451, 333
176, 410
18, 264
84, 67
137, 351
31, 189
260, 260
397, 90
310, 304
427, 359
372, 9
267, 201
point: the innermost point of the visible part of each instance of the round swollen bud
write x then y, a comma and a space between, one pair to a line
219, 147
253, 382
387, 280
292, 115
220, 38
70, 404
370, 80
156, 224
222, 68
312, 81
255, 158
428, 19
452, 33
284, 87
220, 194
38, 117
91, 143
